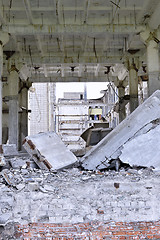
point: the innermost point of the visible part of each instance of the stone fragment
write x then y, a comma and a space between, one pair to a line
4, 217
33, 186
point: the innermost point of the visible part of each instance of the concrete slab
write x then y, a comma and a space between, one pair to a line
110, 146
143, 150
48, 151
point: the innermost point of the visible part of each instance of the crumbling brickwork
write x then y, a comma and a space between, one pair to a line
76, 204
90, 231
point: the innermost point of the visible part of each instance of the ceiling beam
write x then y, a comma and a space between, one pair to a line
62, 71
28, 11
148, 8
86, 10
72, 8
41, 78
2, 18
80, 70
45, 70
110, 58
40, 47
97, 70
68, 29
154, 20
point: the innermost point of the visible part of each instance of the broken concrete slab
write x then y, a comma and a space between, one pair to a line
110, 146
48, 151
143, 150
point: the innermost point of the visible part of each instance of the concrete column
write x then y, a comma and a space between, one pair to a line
1, 69
122, 110
133, 87
23, 116
153, 66
52, 105
121, 85
4, 37
13, 82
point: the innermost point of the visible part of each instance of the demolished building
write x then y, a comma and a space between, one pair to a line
112, 192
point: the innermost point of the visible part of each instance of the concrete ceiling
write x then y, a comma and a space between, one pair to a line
75, 40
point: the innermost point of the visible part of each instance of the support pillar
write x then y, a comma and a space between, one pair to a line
23, 116
1, 69
4, 37
13, 82
52, 105
122, 110
121, 85
153, 66
133, 86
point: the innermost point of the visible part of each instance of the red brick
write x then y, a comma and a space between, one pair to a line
95, 230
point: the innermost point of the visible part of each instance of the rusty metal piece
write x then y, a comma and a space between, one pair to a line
7, 178
1, 149
31, 144
48, 165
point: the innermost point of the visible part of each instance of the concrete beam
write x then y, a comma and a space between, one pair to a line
28, 10
148, 7
72, 8
42, 78
76, 29
72, 57
154, 21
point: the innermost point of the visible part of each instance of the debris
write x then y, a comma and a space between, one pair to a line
139, 122
8, 177
33, 186
10, 150
48, 151
16, 162
94, 135
116, 185
2, 161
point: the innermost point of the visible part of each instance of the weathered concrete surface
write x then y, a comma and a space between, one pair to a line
74, 196
48, 151
110, 147
143, 150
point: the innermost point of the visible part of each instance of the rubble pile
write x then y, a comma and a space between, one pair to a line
73, 195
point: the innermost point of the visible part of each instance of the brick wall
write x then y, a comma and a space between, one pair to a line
93, 231
74, 204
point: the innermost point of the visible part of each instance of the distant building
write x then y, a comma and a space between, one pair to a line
42, 104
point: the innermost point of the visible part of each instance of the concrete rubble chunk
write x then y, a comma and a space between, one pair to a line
2, 161
48, 151
10, 150
138, 123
